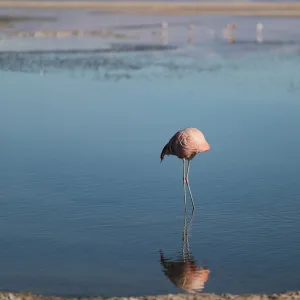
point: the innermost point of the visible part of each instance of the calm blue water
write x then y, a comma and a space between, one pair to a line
86, 205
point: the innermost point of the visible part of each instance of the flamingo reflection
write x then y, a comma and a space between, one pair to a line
184, 272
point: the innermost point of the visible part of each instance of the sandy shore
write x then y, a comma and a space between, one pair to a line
285, 296
291, 9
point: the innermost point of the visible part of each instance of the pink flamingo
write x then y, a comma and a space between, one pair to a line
185, 144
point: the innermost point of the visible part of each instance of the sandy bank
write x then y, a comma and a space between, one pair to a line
284, 296
171, 8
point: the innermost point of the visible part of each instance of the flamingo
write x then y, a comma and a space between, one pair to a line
185, 144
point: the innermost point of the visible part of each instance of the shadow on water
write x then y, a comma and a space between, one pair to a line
115, 47
103, 66
161, 59
183, 272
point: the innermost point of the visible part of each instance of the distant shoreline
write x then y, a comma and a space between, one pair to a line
287, 9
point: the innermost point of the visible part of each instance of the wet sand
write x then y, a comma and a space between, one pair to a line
287, 9
284, 296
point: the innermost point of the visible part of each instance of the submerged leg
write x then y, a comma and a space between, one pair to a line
186, 254
187, 234
184, 235
188, 184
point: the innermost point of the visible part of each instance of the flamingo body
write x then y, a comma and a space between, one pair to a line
185, 144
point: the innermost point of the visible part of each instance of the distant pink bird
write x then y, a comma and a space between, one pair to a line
185, 144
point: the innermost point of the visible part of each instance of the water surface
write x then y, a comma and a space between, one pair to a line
86, 205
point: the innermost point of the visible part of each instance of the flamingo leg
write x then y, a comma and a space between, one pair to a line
184, 187
188, 184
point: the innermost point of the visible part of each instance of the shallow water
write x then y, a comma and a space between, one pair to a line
86, 205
